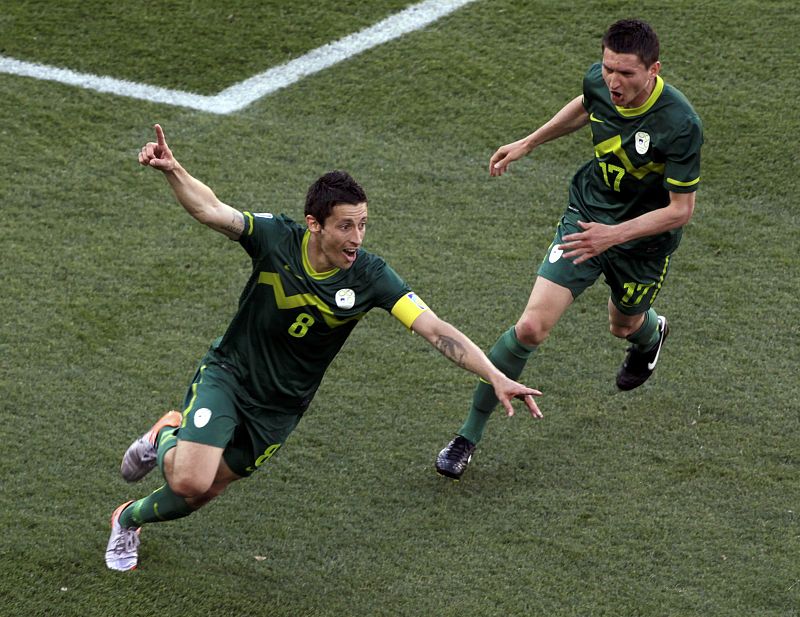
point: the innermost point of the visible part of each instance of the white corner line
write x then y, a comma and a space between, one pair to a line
244, 93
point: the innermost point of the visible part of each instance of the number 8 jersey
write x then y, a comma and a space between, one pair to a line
291, 320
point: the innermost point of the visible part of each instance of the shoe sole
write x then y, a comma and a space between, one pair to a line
448, 475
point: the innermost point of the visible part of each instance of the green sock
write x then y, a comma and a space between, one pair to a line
647, 335
161, 505
166, 440
510, 356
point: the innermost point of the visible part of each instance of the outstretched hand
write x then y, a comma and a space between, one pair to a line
505, 155
158, 154
506, 389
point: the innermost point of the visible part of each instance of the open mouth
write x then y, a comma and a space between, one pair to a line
350, 254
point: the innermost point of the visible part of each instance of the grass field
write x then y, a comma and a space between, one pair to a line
679, 499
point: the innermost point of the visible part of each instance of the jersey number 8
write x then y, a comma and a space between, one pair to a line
299, 328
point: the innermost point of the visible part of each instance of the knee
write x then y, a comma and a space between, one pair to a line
621, 329
196, 491
531, 331
188, 486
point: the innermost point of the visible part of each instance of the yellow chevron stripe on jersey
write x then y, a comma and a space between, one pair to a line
679, 183
289, 302
408, 308
614, 146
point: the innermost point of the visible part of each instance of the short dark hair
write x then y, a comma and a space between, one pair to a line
335, 187
633, 36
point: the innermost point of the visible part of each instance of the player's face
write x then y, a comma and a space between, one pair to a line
629, 81
336, 244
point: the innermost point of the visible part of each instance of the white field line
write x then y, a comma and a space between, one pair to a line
244, 93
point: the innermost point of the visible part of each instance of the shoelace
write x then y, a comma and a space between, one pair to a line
126, 543
457, 451
148, 454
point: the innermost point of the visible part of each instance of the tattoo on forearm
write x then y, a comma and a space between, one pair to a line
236, 225
452, 350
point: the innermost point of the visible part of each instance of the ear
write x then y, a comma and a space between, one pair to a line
313, 224
655, 69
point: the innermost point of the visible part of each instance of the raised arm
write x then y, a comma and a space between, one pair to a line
569, 118
455, 346
196, 198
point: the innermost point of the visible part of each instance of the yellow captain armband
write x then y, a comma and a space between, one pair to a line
408, 308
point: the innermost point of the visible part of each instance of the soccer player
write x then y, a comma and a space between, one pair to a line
626, 209
309, 287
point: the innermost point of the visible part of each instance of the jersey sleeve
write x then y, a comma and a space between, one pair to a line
682, 166
393, 294
257, 234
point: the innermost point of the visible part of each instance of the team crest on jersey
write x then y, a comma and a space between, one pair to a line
345, 298
642, 142
263, 215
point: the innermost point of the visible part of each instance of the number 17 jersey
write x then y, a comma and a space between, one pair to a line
641, 154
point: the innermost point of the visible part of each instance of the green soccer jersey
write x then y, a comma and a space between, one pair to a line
641, 155
292, 321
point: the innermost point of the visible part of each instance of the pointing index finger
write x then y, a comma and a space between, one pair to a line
160, 135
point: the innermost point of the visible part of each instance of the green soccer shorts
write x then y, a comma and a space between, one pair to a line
634, 281
216, 414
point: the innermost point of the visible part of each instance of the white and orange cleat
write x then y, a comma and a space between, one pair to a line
122, 552
140, 457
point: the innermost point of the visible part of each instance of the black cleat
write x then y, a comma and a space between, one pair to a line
453, 459
638, 366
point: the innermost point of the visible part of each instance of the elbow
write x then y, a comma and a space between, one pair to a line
681, 208
677, 217
680, 220
685, 215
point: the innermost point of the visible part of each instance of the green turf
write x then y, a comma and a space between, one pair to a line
198, 46
678, 499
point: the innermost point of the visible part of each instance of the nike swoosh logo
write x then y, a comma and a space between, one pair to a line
652, 365
594, 118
